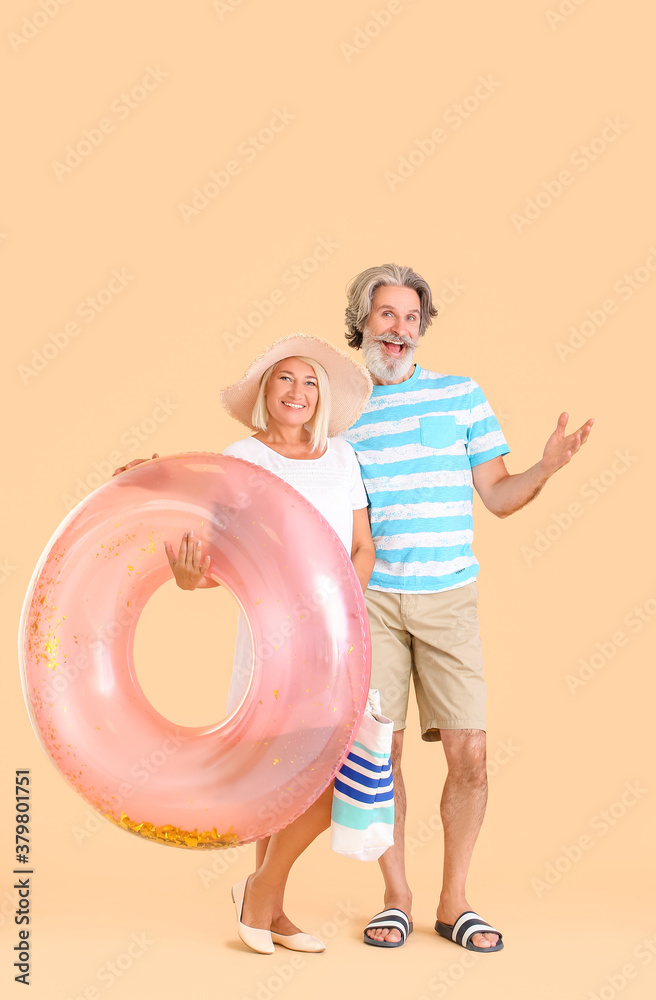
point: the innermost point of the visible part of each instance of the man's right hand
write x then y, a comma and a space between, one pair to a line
135, 461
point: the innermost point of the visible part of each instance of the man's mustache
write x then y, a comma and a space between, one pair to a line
407, 341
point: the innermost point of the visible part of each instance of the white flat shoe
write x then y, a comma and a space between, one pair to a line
257, 938
298, 942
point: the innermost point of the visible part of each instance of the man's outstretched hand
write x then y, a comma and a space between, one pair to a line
560, 447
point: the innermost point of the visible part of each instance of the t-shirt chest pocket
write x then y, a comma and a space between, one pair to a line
438, 431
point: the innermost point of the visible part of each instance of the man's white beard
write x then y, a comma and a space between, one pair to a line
380, 363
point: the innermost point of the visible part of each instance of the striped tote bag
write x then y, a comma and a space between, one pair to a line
362, 820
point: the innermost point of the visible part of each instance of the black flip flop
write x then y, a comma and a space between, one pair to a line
468, 923
394, 920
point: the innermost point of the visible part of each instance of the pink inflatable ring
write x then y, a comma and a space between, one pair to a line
255, 771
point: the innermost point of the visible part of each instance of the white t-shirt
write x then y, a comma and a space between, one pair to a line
332, 483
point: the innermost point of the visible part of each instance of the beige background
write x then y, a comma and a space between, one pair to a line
220, 74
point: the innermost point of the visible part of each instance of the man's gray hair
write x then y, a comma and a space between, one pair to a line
360, 293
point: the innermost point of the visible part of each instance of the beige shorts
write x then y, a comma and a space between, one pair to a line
435, 638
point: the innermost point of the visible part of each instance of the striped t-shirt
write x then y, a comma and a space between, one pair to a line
416, 443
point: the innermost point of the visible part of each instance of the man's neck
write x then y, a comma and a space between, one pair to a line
394, 381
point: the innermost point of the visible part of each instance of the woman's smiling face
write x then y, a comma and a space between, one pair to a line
292, 392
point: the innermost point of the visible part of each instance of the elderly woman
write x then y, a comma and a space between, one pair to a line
296, 397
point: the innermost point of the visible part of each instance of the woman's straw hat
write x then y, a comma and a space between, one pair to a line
350, 383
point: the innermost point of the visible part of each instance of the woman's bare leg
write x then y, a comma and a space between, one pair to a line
260, 851
266, 888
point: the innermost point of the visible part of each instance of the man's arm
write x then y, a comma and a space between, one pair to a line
503, 493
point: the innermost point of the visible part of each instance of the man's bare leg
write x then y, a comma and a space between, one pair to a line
392, 863
462, 809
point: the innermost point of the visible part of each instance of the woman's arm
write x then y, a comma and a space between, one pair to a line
363, 553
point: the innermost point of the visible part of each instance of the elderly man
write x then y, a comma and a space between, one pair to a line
424, 441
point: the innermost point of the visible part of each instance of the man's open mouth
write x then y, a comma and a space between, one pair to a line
393, 347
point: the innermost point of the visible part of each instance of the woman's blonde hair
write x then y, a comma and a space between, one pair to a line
318, 424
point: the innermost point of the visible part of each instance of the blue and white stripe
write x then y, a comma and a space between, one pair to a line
363, 802
417, 443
